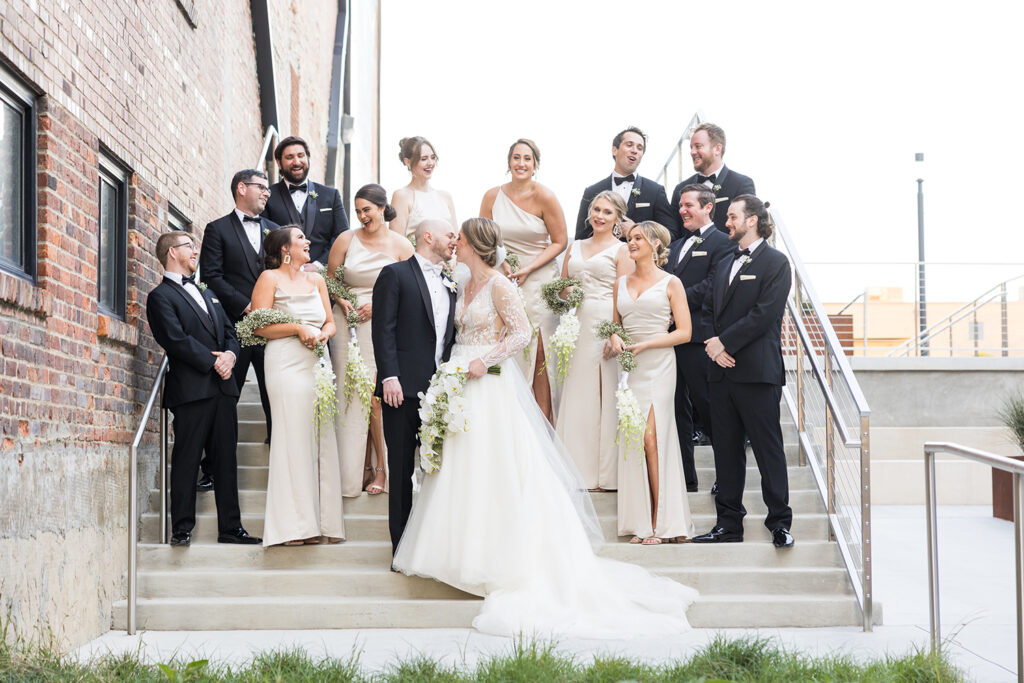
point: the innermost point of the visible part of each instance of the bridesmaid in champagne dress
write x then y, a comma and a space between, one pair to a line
417, 201
587, 418
652, 504
304, 482
364, 252
533, 228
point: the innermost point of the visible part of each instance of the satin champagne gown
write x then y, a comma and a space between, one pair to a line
654, 385
304, 480
526, 236
361, 270
426, 206
587, 418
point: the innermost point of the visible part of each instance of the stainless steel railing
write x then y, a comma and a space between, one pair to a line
931, 449
677, 155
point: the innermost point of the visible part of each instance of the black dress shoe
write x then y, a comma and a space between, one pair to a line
701, 439
714, 489
691, 489
205, 483
781, 538
238, 535
182, 538
718, 535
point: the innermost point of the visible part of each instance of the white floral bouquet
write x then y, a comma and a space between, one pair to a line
358, 381
632, 423
325, 402
563, 341
442, 410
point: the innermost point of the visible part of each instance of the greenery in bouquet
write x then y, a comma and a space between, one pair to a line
336, 285
605, 329
513, 261
358, 380
563, 341
631, 424
442, 410
551, 293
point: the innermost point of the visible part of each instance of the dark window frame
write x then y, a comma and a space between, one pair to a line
16, 92
115, 174
177, 220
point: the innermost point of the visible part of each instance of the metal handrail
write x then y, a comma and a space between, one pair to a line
1015, 468
695, 120
266, 151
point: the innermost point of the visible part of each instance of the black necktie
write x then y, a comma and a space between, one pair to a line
740, 253
704, 178
189, 280
254, 219
297, 188
625, 178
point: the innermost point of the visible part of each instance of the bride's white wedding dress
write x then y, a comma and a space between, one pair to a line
507, 516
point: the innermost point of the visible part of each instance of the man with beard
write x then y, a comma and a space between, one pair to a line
707, 147
645, 199
297, 200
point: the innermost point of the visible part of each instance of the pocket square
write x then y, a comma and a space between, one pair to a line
748, 277
327, 209
642, 205
216, 301
700, 253
721, 199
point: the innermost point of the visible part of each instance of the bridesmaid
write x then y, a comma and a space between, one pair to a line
587, 418
652, 502
364, 252
304, 482
417, 201
532, 227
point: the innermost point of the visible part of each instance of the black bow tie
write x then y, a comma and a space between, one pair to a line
189, 280
250, 219
297, 188
625, 178
704, 178
740, 253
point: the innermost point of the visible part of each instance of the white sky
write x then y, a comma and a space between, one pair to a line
824, 106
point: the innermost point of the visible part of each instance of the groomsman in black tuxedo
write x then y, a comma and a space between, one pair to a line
191, 326
297, 200
232, 259
746, 305
413, 332
645, 199
707, 148
694, 259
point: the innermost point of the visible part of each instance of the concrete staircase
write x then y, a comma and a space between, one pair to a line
210, 586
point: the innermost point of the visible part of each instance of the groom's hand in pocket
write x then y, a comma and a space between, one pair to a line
392, 390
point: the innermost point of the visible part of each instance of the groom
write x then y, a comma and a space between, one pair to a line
413, 332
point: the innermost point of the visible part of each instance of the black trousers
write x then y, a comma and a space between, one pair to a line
691, 401
210, 424
248, 355
401, 425
751, 409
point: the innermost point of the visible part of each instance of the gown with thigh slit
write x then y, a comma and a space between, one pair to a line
654, 385
304, 478
507, 517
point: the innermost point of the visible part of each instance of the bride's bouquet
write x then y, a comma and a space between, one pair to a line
632, 423
568, 331
325, 404
358, 381
442, 410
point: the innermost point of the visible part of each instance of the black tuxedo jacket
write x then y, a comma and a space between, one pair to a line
323, 216
649, 205
695, 271
747, 316
229, 265
189, 336
403, 331
730, 184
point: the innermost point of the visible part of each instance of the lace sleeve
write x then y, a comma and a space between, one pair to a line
518, 330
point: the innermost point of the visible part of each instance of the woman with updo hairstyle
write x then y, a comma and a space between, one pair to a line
652, 503
363, 252
587, 416
418, 201
533, 228
304, 478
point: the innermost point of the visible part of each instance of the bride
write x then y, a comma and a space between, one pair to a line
507, 516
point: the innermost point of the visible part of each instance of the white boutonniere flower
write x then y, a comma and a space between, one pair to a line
716, 188
745, 260
698, 239
313, 194
201, 286
266, 232
636, 192
448, 282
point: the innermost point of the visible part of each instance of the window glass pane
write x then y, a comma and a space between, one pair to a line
108, 244
12, 135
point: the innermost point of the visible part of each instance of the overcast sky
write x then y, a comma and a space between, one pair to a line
823, 106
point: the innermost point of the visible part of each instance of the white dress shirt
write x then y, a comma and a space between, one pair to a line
691, 242
438, 300
718, 181
193, 290
299, 196
623, 188
737, 263
252, 230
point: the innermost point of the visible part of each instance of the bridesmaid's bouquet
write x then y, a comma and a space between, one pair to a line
568, 331
632, 422
325, 403
336, 285
358, 381
442, 410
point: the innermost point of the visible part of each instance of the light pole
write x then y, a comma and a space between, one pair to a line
922, 314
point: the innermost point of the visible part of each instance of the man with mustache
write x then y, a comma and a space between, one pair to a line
296, 200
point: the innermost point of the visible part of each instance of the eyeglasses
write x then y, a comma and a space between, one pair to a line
190, 244
263, 188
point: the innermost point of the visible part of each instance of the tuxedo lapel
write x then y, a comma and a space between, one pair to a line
218, 324
421, 282
203, 316
637, 189
721, 285
309, 210
740, 272
251, 258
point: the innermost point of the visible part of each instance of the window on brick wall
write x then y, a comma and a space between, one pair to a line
113, 220
17, 176
176, 220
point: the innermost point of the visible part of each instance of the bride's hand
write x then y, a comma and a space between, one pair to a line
476, 369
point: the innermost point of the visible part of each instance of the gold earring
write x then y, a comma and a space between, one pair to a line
287, 258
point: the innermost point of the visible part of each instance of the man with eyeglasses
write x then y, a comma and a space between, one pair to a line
230, 262
190, 324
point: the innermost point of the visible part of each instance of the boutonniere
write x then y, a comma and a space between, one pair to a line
448, 282
697, 239
201, 286
266, 232
716, 188
313, 194
745, 260
636, 192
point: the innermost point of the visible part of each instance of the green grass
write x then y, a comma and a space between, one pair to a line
748, 659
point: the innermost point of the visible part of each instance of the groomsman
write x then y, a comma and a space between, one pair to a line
297, 200
745, 308
192, 327
707, 148
413, 332
645, 199
694, 258
232, 259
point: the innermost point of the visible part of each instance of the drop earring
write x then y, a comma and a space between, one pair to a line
287, 259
